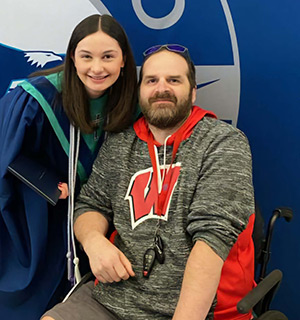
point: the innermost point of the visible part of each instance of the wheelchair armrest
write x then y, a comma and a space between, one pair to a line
272, 315
267, 285
87, 277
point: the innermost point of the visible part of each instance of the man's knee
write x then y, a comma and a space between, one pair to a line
47, 318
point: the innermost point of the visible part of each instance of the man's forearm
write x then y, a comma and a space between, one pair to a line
88, 225
200, 283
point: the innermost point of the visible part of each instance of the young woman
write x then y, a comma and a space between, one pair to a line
58, 118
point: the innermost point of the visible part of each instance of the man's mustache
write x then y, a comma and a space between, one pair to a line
165, 96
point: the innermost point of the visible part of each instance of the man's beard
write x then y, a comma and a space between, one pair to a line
166, 115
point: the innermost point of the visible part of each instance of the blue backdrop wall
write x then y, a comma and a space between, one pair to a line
247, 56
269, 45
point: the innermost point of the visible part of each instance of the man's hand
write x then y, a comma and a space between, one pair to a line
107, 262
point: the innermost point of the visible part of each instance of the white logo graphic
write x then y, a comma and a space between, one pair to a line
50, 31
223, 95
41, 58
13, 84
159, 23
47, 26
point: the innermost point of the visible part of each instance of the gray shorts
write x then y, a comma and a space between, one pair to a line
81, 305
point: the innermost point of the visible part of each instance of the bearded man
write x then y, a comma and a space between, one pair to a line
178, 189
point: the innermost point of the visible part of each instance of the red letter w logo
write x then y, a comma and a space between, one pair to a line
142, 195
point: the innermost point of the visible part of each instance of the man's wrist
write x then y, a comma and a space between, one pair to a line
94, 236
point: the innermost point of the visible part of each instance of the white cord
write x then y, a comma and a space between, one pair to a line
73, 160
70, 169
159, 181
165, 155
76, 259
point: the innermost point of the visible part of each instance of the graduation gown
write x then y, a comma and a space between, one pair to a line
33, 234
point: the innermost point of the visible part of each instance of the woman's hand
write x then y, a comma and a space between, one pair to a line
63, 187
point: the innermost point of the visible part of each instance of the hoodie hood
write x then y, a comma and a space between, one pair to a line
142, 130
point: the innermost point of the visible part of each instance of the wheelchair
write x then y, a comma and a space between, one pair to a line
260, 297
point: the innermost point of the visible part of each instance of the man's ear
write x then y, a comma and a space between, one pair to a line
194, 94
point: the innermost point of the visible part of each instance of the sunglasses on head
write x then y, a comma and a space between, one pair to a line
177, 48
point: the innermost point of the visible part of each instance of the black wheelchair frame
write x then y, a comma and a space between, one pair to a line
260, 297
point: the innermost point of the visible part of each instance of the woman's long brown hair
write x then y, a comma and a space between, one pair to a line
122, 95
